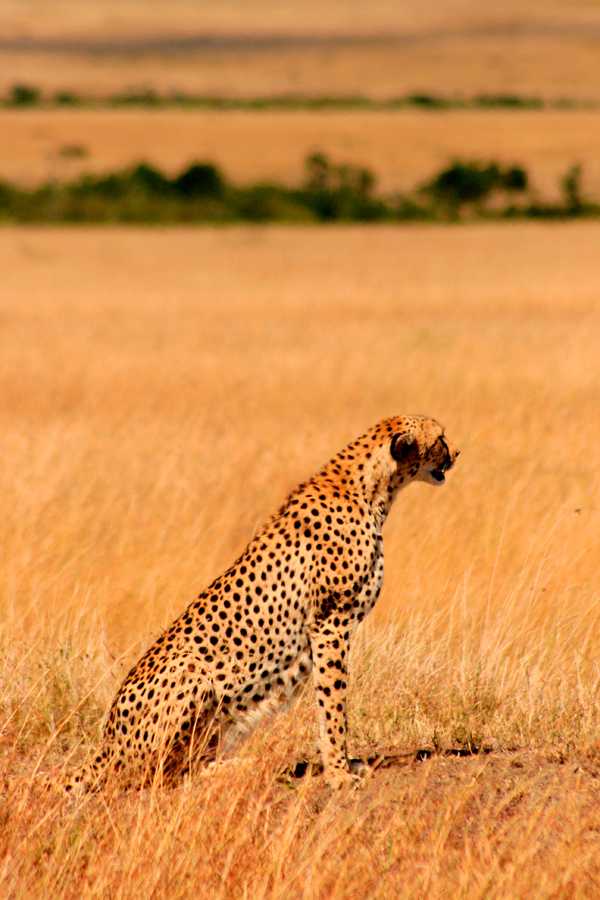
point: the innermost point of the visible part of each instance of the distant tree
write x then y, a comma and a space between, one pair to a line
473, 182
318, 173
200, 180
23, 95
66, 98
464, 183
515, 179
571, 185
150, 179
340, 192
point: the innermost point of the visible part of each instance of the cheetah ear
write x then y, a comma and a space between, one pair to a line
402, 445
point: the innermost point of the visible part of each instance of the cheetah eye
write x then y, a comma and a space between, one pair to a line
442, 442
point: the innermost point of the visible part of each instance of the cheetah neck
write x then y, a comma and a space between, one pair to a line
368, 483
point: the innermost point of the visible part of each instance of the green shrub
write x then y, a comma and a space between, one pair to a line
269, 203
340, 192
330, 193
463, 183
150, 180
23, 95
145, 97
200, 180
472, 182
571, 185
66, 98
508, 101
428, 101
514, 179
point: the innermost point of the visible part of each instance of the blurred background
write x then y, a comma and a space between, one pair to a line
102, 84
379, 48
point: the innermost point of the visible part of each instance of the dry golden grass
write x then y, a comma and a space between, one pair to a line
560, 63
547, 47
403, 148
160, 391
53, 18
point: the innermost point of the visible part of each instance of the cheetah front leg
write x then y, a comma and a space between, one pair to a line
330, 646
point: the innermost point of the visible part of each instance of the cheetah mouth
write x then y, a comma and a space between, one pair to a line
438, 476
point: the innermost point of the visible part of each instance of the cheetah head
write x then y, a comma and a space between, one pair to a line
421, 451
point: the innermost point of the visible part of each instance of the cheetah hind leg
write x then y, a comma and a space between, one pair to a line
178, 746
91, 775
168, 767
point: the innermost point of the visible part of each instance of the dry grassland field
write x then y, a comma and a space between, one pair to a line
403, 148
381, 48
160, 392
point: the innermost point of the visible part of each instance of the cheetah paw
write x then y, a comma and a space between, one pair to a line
351, 777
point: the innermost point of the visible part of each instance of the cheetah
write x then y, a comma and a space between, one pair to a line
285, 608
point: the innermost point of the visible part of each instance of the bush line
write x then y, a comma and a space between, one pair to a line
329, 193
28, 95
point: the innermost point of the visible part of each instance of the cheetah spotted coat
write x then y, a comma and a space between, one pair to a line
286, 607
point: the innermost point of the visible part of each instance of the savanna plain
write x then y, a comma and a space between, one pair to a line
160, 392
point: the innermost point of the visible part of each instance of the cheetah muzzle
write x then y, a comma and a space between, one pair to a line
287, 607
